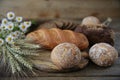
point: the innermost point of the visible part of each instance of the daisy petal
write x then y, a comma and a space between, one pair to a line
23, 27
10, 15
9, 39
19, 19
4, 21
10, 26
1, 41
27, 23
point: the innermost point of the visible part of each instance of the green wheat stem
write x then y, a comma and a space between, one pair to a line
14, 62
21, 59
4, 55
23, 52
26, 43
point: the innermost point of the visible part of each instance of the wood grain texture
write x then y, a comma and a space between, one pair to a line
65, 78
91, 70
49, 9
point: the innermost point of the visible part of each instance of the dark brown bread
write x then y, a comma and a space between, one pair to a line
97, 33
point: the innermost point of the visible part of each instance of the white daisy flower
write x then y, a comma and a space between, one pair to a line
1, 41
10, 26
13, 35
4, 21
9, 39
19, 19
17, 33
27, 23
10, 15
1, 29
23, 27
3, 26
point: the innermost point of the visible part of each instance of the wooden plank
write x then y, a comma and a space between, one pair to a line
117, 42
91, 70
49, 9
65, 78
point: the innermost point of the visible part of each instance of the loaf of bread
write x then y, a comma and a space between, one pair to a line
96, 31
97, 34
49, 38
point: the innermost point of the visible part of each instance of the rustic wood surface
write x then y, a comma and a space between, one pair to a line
65, 78
51, 9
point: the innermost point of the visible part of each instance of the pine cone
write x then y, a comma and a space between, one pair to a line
61, 24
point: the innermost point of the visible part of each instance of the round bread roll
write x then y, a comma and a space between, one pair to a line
90, 20
66, 55
103, 54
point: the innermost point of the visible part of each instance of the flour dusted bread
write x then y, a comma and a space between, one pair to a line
66, 55
49, 38
103, 54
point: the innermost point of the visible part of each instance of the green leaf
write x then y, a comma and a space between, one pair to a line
33, 22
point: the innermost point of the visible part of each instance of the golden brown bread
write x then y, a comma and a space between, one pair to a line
49, 38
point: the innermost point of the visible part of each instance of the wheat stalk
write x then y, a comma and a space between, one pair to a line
18, 57
24, 44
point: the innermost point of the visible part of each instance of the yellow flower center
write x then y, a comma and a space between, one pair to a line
18, 18
0, 41
5, 22
9, 39
27, 23
11, 15
10, 27
14, 35
23, 27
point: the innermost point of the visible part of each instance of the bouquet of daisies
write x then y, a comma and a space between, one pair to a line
12, 32
12, 28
